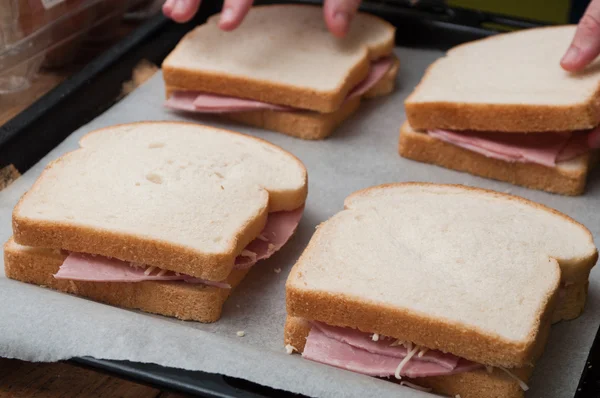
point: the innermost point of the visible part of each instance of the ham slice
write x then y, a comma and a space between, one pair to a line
212, 103
193, 101
575, 146
323, 349
541, 148
378, 69
279, 228
594, 138
383, 346
182, 100
93, 268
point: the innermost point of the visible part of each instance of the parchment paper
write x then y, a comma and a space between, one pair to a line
38, 324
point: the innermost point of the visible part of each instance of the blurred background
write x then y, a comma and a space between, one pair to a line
549, 11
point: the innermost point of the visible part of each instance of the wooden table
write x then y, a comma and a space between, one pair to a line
21, 379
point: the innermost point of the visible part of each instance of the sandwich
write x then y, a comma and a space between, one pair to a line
503, 108
442, 288
162, 217
282, 70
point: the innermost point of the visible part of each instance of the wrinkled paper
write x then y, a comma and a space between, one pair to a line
39, 324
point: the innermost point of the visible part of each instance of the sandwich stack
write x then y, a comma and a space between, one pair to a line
163, 217
443, 288
282, 70
503, 108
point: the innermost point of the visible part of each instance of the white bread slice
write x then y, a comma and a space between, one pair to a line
309, 125
567, 178
281, 54
463, 270
474, 384
179, 196
182, 300
511, 82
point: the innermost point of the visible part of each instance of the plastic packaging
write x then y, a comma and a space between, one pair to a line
47, 32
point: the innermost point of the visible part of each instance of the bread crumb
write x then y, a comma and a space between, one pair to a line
241, 333
415, 386
457, 396
375, 337
277, 270
262, 237
73, 287
289, 349
141, 73
8, 174
247, 253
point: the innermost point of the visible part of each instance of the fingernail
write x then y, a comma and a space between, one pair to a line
341, 17
571, 56
168, 6
226, 15
180, 7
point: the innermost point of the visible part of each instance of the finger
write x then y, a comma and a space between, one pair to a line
233, 13
168, 7
183, 10
586, 43
338, 15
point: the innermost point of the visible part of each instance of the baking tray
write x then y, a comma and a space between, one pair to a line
32, 134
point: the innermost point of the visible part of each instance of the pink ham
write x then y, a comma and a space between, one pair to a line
212, 103
378, 69
364, 341
182, 100
320, 348
594, 138
94, 268
575, 146
194, 101
541, 148
279, 229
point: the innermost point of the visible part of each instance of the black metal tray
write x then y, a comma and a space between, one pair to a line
32, 134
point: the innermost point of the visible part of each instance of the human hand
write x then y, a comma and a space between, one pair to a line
337, 13
586, 43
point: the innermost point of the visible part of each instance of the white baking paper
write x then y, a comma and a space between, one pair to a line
38, 324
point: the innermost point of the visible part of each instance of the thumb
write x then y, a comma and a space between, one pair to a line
338, 15
586, 43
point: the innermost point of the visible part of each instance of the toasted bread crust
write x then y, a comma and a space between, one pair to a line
424, 148
342, 310
299, 97
571, 302
503, 118
136, 248
475, 384
507, 118
176, 299
308, 125
304, 125
133, 248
